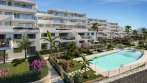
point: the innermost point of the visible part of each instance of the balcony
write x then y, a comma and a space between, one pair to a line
27, 1
33, 19
67, 38
20, 9
83, 37
25, 28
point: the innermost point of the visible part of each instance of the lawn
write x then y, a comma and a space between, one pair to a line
15, 69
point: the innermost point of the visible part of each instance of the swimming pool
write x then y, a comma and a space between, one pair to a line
117, 59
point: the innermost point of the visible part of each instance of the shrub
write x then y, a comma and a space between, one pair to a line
110, 46
37, 64
141, 43
28, 76
77, 77
66, 65
67, 57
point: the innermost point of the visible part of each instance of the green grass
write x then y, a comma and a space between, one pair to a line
92, 76
75, 68
22, 67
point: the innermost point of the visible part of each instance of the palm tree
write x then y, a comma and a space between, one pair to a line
85, 65
135, 33
144, 32
128, 29
96, 28
72, 49
52, 41
24, 44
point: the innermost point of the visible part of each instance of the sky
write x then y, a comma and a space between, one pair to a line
124, 12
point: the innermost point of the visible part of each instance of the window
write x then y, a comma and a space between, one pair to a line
17, 36
53, 34
44, 46
40, 18
29, 6
17, 4
31, 50
31, 36
24, 16
2, 2
8, 13
40, 25
44, 35
0, 12
88, 34
17, 50
92, 33
25, 25
7, 23
23, 5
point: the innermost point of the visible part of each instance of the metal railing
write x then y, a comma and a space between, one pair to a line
122, 75
120, 72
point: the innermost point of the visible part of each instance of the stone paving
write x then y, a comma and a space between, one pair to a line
55, 77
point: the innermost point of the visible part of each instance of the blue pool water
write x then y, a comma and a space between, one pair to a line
117, 59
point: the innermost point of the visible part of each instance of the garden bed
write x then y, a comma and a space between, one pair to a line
92, 77
21, 71
15, 69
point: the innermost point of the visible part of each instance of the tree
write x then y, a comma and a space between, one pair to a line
85, 65
52, 41
24, 44
128, 29
135, 33
72, 49
77, 77
96, 28
144, 31
141, 43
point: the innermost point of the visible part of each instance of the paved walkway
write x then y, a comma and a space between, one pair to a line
55, 77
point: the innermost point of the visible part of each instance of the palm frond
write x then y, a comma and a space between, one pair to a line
45, 39
49, 36
82, 67
57, 37
89, 68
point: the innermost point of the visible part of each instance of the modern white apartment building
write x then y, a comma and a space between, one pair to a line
20, 17
17, 17
69, 25
107, 30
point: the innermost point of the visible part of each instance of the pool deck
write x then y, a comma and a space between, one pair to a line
116, 71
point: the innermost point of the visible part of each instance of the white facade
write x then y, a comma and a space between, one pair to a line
20, 17
107, 30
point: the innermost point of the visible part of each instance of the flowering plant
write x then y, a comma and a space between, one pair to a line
4, 72
37, 64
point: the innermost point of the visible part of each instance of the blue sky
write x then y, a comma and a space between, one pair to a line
125, 12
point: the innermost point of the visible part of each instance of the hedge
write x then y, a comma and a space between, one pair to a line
60, 71
25, 77
43, 52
